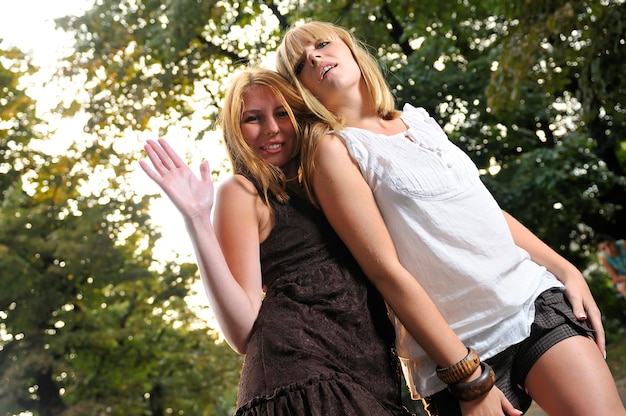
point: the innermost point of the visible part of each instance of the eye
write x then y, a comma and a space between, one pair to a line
282, 113
251, 119
323, 44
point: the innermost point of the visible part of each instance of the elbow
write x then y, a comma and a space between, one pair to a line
386, 279
239, 347
393, 280
238, 342
379, 280
241, 350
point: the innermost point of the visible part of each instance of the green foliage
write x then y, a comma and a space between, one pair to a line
147, 58
17, 116
90, 324
571, 56
613, 306
513, 82
532, 90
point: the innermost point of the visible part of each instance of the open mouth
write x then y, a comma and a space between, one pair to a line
325, 70
272, 146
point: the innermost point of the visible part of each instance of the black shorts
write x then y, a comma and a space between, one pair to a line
554, 322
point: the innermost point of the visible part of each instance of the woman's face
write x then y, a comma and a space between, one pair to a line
327, 70
266, 126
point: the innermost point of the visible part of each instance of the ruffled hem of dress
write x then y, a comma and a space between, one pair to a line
325, 395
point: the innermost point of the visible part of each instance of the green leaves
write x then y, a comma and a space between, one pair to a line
532, 90
87, 323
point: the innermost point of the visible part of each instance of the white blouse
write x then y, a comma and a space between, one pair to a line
451, 235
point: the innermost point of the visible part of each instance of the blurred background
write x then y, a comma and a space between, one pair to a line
101, 311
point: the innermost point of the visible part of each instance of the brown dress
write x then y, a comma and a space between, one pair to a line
322, 344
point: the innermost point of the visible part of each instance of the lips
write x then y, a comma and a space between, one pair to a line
324, 69
273, 146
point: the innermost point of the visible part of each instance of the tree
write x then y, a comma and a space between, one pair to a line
17, 116
515, 84
531, 90
150, 58
89, 323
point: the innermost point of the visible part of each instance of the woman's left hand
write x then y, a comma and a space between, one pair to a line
585, 307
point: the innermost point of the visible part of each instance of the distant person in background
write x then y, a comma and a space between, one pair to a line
612, 254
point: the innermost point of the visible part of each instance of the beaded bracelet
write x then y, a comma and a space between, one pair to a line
461, 370
476, 388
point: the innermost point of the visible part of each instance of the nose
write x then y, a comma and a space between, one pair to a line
313, 56
272, 127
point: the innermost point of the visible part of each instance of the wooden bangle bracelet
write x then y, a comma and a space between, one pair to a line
461, 370
476, 388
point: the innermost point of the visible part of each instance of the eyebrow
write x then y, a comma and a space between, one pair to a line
278, 107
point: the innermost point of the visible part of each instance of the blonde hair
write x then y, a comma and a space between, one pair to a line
289, 55
268, 178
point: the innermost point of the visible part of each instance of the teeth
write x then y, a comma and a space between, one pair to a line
272, 146
326, 69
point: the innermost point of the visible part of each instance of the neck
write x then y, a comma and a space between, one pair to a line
353, 104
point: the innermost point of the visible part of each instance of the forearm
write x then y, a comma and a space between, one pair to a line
235, 302
619, 279
233, 309
349, 205
576, 287
610, 270
417, 312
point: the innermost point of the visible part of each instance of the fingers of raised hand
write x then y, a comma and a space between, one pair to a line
160, 160
171, 153
162, 156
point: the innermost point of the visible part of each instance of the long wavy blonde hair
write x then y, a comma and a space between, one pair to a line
289, 55
269, 179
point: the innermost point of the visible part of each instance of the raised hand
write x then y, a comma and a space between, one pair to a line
191, 195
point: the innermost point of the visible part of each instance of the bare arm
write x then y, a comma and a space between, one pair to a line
350, 207
234, 297
576, 288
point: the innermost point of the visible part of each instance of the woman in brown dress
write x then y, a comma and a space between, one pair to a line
283, 287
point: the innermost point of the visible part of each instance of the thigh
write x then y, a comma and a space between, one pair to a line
572, 378
444, 403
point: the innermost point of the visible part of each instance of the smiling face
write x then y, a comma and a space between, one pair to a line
267, 128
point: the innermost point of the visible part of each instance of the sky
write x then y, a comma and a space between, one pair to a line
29, 25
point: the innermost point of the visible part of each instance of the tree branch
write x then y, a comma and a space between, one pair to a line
215, 50
282, 20
397, 31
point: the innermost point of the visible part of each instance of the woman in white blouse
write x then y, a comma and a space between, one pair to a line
464, 280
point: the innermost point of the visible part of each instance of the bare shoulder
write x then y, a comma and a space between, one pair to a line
332, 149
236, 193
239, 200
237, 184
331, 140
